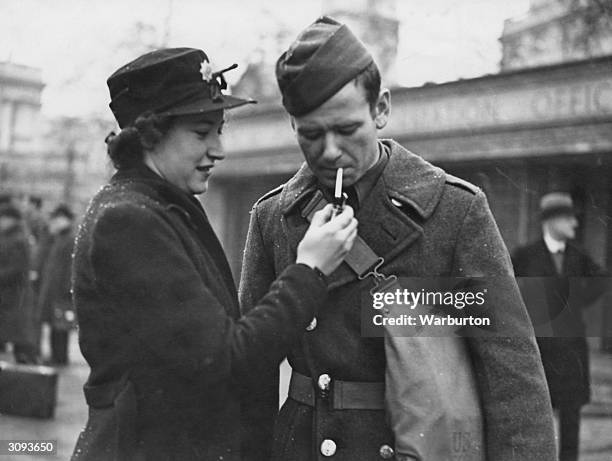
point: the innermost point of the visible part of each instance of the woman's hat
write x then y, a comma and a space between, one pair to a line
169, 81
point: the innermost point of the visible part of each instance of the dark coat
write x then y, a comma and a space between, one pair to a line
555, 302
16, 298
159, 326
443, 227
54, 290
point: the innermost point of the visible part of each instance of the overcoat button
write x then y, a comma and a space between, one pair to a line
328, 447
386, 452
323, 382
312, 325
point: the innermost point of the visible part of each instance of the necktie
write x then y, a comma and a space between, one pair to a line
558, 260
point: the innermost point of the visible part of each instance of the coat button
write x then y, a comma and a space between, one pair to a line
328, 447
312, 325
386, 452
323, 382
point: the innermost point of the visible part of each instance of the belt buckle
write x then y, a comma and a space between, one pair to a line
381, 281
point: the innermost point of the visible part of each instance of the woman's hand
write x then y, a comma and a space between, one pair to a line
327, 240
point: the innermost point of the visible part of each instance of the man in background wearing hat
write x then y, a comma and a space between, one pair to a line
423, 223
556, 316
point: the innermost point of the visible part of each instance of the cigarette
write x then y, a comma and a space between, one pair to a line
338, 191
338, 198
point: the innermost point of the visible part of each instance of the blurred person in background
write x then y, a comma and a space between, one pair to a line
38, 235
55, 300
16, 299
158, 312
563, 270
35, 218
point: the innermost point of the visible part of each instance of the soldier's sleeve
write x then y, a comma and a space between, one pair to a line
514, 396
260, 401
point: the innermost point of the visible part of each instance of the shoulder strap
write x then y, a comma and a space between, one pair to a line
361, 259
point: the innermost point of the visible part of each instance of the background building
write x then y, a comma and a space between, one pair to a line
555, 31
60, 159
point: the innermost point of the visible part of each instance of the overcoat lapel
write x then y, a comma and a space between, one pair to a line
192, 212
548, 265
389, 229
294, 196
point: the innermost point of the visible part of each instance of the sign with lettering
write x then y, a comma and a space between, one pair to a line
472, 107
483, 104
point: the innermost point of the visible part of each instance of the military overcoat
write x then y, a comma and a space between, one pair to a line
159, 326
424, 223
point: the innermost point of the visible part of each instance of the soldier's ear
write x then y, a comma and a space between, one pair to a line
292, 121
382, 109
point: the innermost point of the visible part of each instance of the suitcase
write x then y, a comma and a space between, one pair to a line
27, 390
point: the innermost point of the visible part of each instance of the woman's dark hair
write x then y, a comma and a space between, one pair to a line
127, 148
369, 79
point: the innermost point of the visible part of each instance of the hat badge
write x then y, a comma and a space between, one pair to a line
206, 71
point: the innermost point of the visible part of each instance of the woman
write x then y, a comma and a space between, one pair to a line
157, 307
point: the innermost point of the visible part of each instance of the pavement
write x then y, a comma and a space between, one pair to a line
71, 411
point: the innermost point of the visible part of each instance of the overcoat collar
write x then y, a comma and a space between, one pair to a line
190, 209
546, 259
390, 219
408, 178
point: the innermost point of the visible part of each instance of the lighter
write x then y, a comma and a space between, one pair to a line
339, 196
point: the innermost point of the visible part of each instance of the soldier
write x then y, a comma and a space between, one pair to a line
563, 347
423, 223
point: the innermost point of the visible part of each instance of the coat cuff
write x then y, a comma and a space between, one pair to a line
317, 271
312, 286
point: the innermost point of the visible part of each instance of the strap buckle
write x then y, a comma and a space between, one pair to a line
381, 281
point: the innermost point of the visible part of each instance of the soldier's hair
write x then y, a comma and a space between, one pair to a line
369, 79
126, 149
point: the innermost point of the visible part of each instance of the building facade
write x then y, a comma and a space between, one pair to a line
555, 31
59, 159
20, 93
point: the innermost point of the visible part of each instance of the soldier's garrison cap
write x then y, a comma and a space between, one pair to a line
324, 57
168, 81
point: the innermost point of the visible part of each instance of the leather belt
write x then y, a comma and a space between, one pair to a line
344, 395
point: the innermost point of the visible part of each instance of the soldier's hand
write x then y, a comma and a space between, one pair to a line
327, 240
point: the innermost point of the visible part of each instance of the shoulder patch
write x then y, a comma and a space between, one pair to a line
462, 183
269, 194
